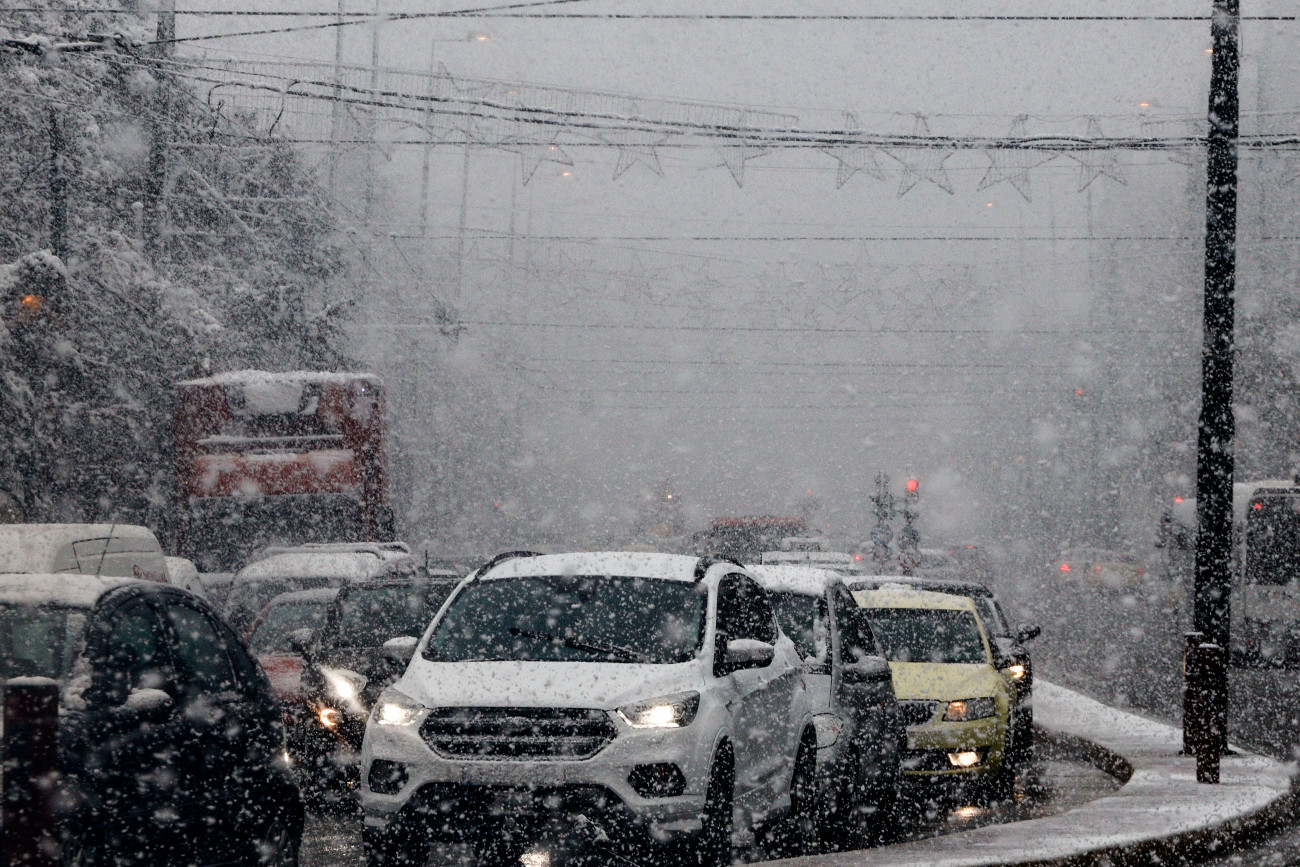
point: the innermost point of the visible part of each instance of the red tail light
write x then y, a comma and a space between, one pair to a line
1065, 567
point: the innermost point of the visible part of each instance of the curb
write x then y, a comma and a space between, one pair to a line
1160, 815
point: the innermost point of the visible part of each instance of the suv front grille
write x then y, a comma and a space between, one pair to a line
917, 712
517, 732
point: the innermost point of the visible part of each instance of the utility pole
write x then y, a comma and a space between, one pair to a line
58, 189
156, 172
336, 110
1216, 428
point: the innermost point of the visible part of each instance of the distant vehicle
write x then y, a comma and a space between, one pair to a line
937, 563
974, 561
959, 708
266, 457
259, 582
745, 539
817, 559
288, 621
860, 731
1101, 569
1011, 644
1265, 610
172, 748
123, 550
346, 667
651, 697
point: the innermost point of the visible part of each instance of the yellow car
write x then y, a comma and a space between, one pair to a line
957, 705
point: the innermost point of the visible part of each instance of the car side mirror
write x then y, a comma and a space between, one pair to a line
300, 640
1028, 632
868, 669
399, 650
816, 665
147, 706
749, 653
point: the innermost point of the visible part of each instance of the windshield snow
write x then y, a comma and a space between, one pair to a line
928, 635
572, 618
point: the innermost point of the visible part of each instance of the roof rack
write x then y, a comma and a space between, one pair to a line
707, 561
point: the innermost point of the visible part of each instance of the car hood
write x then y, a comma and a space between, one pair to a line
945, 681
600, 685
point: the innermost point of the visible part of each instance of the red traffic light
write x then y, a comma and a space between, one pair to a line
912, 486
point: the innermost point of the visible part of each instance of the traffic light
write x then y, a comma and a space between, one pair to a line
913, 486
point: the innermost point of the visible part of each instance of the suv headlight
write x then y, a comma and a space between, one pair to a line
665, 712
968, 709
396, 709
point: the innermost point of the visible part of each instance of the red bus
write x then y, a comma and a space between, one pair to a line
275, 458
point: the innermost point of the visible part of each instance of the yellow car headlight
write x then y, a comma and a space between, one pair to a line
966, 709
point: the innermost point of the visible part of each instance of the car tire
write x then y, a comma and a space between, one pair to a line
275, 843
714, 849
798, 834
394, 846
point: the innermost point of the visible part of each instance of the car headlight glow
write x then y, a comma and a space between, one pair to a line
1015, 672
967, 709
665, 712
396, 709
829, 727
344, 684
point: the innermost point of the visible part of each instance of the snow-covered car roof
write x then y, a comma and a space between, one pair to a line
71, 590
633, 564
350, 566
920, 582
907, 596
803, 580
262, 377
28, 548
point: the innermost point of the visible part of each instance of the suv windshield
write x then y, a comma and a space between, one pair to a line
38, 641
369, 616
928, 635
574, 619
271, 635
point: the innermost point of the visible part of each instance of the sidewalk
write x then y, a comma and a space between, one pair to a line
1160, 812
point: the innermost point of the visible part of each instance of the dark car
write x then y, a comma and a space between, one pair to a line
861, 734
345, 667
171, 745
1012, 643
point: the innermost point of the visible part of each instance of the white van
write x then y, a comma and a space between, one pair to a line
120, 550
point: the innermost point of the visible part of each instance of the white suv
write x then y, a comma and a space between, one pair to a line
648, 695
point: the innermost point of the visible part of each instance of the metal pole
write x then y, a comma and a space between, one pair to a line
428, 145
1216, 429
31, 768
336, 112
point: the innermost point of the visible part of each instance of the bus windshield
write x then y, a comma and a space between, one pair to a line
1272, 540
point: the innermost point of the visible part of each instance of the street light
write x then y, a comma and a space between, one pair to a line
477, 36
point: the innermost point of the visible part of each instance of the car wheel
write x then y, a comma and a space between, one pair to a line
275, 844
798, 833
394, 846
714, 848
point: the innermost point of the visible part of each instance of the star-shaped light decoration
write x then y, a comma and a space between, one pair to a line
1012, 164
1094, 164
853, 158
924, 163
744, 149
535, 144
639, 146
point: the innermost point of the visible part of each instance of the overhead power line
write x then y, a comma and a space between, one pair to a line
797, 329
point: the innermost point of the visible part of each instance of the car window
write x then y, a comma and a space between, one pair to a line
578, 618
801, 617
367, 616
38, 641
135, 653
929, 635
201, 651
744, 610
854, 627
271, 634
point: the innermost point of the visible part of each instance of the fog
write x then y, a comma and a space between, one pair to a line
763, 326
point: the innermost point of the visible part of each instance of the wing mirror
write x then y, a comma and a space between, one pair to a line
868, 669
749, 653
153, 706
399, 650
300, 640
1028, 632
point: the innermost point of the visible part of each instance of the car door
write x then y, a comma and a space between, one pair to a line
762, 696
866, 702
140, 789
226, 724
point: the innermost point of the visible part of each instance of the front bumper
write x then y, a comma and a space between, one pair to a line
446, 793
930, 745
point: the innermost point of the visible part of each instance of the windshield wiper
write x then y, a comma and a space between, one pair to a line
611, 649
